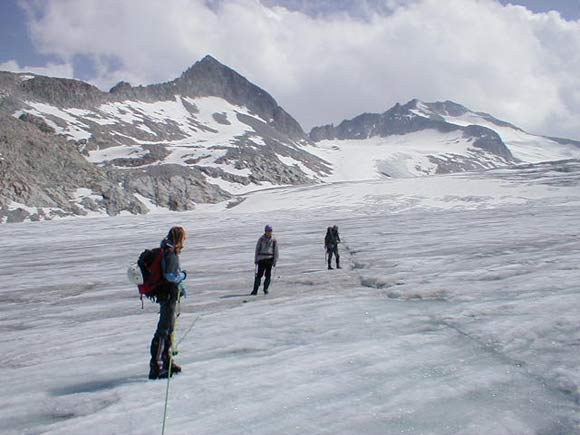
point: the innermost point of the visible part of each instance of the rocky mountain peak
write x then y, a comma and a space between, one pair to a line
448, 108
209, 62
209, 77
61, 92
413, 104
209, 65
402, 110
120, 87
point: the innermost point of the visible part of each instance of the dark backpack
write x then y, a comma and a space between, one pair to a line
150, 264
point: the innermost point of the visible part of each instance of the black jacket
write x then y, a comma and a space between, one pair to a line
332, 239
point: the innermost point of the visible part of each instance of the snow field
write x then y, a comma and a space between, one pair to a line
444, 319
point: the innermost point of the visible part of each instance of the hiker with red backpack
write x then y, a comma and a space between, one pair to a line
167, 294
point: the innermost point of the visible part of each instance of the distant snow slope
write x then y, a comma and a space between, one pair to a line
524, 146
413, 154
420, 138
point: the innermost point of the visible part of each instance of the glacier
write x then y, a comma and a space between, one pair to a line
456, 312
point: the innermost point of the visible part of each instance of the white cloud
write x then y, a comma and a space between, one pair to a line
63, 70
505, 60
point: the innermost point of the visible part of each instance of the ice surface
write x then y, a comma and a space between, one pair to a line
524, 146
456, 312
395, 156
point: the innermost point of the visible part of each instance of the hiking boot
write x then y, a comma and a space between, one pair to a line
265, 291
163, 374
154, 372
157, 373
330, 267
253, 293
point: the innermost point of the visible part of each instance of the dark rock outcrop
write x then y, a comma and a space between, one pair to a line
44, 171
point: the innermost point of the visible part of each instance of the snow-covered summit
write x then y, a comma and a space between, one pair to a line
420, 138
524, 146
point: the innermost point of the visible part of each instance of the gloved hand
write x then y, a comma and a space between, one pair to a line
182, 292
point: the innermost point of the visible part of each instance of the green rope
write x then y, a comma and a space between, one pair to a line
171, 363
166, 396
188, 331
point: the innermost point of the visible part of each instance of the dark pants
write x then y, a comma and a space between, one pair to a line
333, 250
264, 266
161, 343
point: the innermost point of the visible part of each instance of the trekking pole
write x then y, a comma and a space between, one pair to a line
173, 352
174, 349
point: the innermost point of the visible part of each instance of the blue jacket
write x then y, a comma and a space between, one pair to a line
170, 264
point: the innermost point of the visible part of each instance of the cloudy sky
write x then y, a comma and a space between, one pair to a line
323, 60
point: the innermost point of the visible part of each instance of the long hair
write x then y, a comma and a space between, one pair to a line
176, 237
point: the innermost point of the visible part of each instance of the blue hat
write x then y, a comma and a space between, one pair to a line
268, 228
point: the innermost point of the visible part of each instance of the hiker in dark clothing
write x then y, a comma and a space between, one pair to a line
167, 295
331, 242
265, 258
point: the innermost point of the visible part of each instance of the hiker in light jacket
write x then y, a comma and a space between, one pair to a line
331, 242
167, 295
265, 258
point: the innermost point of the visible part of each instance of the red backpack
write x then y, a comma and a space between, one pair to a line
150, 264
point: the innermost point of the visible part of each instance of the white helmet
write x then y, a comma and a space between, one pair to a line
134, 274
